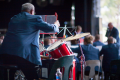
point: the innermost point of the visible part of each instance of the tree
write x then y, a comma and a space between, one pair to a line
110, 12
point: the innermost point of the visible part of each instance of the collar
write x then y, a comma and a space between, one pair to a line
110, 44
77, 32
88, 44
111, 29
26, 13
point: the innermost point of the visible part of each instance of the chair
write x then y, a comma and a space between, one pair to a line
8, 68
115, 75
101, 59
66, 62
18, 74
92, 64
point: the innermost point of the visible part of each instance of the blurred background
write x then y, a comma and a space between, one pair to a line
92, 15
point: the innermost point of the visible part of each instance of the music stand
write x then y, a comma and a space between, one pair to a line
49, 19
65, 29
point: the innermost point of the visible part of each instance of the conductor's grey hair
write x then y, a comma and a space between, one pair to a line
27, 7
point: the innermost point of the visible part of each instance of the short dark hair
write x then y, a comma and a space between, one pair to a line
97, 37
74, 42
110, 40
46, 41
78, 27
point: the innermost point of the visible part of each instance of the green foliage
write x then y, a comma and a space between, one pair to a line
110, 10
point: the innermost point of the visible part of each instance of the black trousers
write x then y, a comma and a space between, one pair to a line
29, 69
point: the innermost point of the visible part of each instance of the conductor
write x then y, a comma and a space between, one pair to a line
21, 43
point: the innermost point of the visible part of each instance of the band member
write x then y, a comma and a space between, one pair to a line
78, 30
97, 41
90, 52
110, 52
21, 43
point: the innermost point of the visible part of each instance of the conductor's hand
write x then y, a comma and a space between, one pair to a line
57, 23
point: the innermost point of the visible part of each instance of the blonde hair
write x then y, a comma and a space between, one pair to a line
89, 39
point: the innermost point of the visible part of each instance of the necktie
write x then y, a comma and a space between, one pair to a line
109, 33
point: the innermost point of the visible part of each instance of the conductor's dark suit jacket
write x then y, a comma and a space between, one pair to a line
110, 52
22, 37
114, 33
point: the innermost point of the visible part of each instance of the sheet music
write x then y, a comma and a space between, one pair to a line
49, 19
